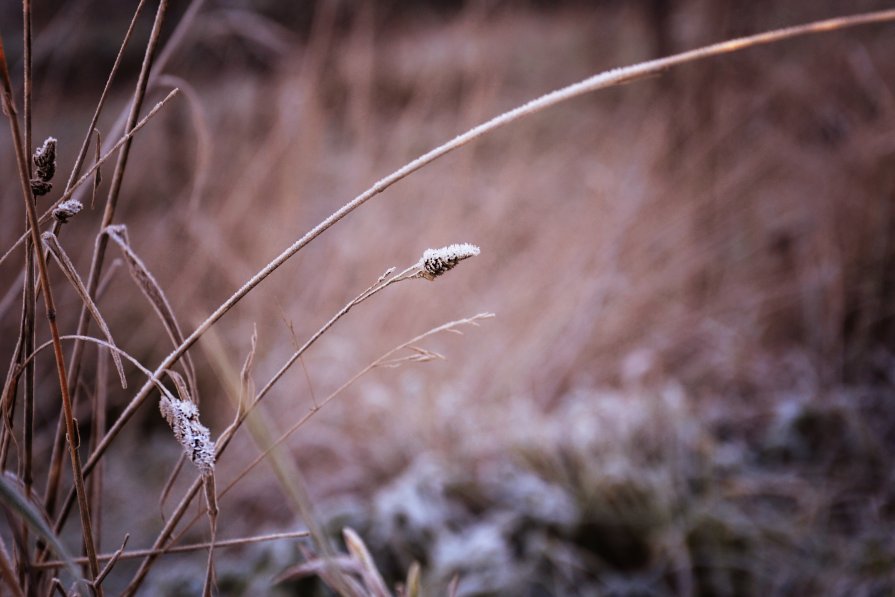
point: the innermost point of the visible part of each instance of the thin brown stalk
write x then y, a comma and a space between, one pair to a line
202, 168
70, 186
100, 406
211, 502
112, 561
153, 292
600, 81
82, 153
27, 78
9, 109
142, 553
28, 296
68, 268
55, 468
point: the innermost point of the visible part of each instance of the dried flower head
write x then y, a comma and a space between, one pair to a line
40, 187
45, 160
67, 209
435, 262
183, 417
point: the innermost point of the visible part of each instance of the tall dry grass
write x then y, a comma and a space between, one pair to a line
688, 243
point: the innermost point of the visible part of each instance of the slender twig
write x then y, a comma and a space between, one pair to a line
29, 299
112, 561
82, 153
27, 80
600, 81
142, 553
21, 159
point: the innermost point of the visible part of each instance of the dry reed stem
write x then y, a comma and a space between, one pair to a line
82, 153
142, 553
31, 211
600, 81
112, 561
201, 169
29, 298
153, 292
52, 488
98, 421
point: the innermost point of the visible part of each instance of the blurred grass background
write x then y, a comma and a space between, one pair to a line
688, 385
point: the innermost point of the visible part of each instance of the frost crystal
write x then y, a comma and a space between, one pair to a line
183, 417
435, 262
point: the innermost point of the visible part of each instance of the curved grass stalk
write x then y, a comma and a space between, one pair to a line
599, 81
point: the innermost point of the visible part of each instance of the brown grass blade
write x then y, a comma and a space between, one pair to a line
153, 292
247, 389
211, 502
112, 561
82, 153
142, 553
51, 242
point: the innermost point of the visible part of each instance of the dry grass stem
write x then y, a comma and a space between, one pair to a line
600, 81
176, 549
68, 268
443, 513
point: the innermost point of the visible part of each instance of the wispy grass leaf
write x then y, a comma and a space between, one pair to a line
247, 390
153, 292
51, 242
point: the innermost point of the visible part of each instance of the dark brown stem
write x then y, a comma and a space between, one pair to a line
31, 211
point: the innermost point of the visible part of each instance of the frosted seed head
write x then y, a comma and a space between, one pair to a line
44, 159
436, 262
193, 436
67, 209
